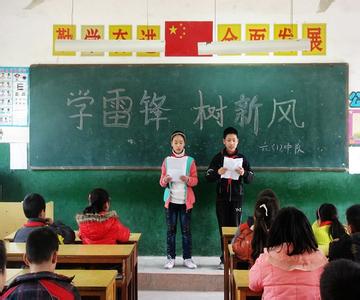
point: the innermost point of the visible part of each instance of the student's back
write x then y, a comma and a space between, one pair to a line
34, 210
41, 283
291, 266
98, 225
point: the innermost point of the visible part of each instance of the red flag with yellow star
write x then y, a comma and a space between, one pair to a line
181, 38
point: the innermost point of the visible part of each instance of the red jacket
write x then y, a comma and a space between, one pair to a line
102, 228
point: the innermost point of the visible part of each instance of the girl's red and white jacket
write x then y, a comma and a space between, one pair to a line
102, 228
191, 172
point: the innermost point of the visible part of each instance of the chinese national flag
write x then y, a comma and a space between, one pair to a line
181, 38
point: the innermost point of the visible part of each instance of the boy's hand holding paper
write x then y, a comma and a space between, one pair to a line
233, 168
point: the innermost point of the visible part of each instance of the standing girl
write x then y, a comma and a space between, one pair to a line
327, 227
178, 176
291, 265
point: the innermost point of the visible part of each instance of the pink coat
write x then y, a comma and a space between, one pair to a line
284, 277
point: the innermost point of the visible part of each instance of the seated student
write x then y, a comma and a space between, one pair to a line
340, 280
41, 283
2, 265
98, 225
327, 227
34, 209
348, 246
291, 265
250, 241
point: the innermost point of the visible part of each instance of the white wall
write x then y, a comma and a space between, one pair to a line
26, 34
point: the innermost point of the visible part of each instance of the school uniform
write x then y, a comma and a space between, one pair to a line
229, 192
41, 286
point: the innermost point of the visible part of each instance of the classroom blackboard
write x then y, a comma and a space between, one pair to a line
121, 116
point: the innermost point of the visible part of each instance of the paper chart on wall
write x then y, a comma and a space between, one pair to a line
231, 164
176, 167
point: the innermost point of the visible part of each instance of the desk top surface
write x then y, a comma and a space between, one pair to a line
241, 278
124, 250
229, 231
82, 279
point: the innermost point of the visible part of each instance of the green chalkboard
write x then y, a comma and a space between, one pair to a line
288, 115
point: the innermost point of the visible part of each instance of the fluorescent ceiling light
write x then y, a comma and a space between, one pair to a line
236, 47
110, 45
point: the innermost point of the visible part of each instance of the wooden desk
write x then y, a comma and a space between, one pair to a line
241, 285
90, 254
90, 283
227, 235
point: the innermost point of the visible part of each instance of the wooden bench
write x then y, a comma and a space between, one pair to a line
227, 234
120, 255
90, 283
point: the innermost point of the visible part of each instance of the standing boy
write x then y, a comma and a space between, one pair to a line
42, 283
34, 209
229, 192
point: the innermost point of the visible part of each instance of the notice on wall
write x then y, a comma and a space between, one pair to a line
14, 96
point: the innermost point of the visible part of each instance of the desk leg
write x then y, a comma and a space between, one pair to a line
226, 268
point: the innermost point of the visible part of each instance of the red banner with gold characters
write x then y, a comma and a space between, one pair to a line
181, 37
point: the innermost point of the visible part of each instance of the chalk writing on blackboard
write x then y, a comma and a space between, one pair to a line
245, 107
117, 110
153, 109
290, 106
286, 148
80, 101
212, 112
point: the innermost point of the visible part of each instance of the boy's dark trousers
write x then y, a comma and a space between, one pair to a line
172, 213
228, 214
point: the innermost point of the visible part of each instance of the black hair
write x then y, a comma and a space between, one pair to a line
340, 280
97, 197
230, 130
33, 204
328, 212
178, 132
353, 217
41, 244
293, 228
266, 208
2, 257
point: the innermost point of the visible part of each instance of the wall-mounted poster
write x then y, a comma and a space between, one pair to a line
354, 126
14, 94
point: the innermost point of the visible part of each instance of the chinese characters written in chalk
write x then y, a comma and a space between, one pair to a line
286, 148
118, 106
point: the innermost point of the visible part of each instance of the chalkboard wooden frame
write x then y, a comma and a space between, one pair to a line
44, 79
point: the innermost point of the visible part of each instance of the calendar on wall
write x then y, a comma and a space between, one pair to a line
14, 96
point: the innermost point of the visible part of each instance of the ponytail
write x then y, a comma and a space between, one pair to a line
97, 198
328, 212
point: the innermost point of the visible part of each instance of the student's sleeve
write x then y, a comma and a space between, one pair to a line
255, 275
163, 174
193, 177
212, 171
123, 233
248, 174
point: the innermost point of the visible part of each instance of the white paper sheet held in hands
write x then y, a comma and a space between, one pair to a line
231, 164
176, 167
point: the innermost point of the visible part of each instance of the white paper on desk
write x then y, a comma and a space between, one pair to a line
176, 167
231, 164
